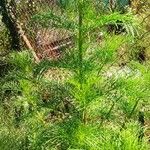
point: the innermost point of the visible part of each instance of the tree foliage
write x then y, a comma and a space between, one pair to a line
82, 100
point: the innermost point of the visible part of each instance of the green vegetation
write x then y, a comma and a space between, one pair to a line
96, 96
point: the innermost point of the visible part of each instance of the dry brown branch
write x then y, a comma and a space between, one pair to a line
27, 42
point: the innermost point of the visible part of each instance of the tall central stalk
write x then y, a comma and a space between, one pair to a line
80, 55
80, 42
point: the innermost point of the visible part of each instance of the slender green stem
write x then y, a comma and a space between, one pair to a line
80, 42
131, 113
110, 110
80, 54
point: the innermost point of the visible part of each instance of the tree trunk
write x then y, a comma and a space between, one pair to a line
10, 25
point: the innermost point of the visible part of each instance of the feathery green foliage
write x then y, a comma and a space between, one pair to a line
91, 108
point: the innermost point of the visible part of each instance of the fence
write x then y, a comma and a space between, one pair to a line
43, 39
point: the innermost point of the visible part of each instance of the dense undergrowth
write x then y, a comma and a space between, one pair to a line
92, 99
